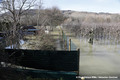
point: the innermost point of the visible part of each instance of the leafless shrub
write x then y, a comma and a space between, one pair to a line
103, 25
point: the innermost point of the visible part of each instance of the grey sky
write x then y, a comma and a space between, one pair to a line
112, 6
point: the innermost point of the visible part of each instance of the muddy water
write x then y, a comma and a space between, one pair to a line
99, 60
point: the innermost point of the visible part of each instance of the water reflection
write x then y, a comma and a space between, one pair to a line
90, 51
101, 58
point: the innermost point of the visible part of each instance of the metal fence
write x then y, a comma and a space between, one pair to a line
54, 64
68, 43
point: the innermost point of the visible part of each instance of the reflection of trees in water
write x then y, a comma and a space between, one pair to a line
100, 35
90, 50
105, 27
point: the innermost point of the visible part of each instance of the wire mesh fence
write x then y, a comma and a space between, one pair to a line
68, 44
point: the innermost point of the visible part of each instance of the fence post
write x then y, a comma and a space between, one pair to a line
69, 44
65, 44
62, 35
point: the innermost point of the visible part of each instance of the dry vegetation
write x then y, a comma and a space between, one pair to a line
104, 25
43, 17
40, 42
17, 16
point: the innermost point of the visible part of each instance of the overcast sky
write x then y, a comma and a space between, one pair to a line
111, 6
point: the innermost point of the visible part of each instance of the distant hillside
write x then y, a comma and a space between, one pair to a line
91, 17
79, 14
103, 25
68, 13
88, 17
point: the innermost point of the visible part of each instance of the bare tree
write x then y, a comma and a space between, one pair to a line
55, 16
39, 5
14, 9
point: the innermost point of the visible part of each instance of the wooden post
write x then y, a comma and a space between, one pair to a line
69, 44
66, 44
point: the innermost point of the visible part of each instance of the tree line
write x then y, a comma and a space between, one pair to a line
105, 26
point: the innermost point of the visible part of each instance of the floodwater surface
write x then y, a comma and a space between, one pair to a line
99, 60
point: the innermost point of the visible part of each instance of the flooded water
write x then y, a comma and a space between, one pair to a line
99, 60
102, 59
